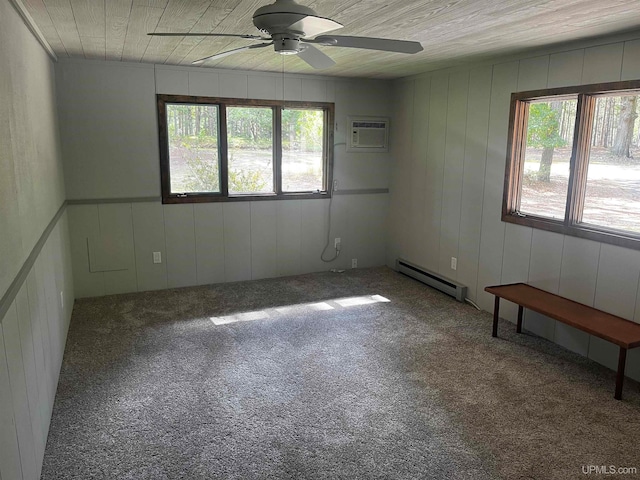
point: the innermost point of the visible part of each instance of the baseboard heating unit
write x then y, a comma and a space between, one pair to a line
445, 285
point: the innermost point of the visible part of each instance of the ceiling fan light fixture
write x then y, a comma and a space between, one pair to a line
287, 46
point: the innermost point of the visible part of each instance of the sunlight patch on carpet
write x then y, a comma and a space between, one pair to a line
299, 309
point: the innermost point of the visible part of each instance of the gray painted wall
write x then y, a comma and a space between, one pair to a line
31, 183
446, 194
33, 330
110, 146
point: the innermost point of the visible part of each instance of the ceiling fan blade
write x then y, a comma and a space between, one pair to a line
314, 57
311, 26
230, 52
384, 44
250, 37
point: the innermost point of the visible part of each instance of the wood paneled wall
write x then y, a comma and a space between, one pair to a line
110, 147
446, 193
222, 242
35, 298
32, 340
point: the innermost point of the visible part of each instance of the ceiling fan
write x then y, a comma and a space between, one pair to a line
292, 29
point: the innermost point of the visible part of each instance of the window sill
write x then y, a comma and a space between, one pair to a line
216, 197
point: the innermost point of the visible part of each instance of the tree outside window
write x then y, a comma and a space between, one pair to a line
573, 162
216, 149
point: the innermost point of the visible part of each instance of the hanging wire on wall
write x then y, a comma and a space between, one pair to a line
326, 246
333, 192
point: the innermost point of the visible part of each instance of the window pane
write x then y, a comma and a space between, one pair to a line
612, 197
302, 150
250, 140
547, 155
194, 164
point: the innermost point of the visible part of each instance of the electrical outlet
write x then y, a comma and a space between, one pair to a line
335, 185
354, 263
336, 243
454, 263
157, 257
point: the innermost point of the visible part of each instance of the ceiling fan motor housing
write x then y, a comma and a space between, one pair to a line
279, 16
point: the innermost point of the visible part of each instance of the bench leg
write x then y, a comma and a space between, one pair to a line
519, 326
622, 360
496, 311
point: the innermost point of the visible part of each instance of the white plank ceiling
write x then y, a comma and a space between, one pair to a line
451, 31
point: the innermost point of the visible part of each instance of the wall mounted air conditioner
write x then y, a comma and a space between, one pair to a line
368, 134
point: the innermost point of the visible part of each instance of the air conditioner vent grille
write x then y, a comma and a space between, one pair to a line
368, 134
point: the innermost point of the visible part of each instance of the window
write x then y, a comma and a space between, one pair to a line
302, 156
250, 150
573, 162
220, 149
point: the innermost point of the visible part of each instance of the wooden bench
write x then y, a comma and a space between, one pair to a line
609, 327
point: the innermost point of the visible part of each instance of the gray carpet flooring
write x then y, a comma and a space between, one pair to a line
365, 374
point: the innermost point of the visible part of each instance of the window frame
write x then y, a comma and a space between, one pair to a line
223, 103
578, 164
